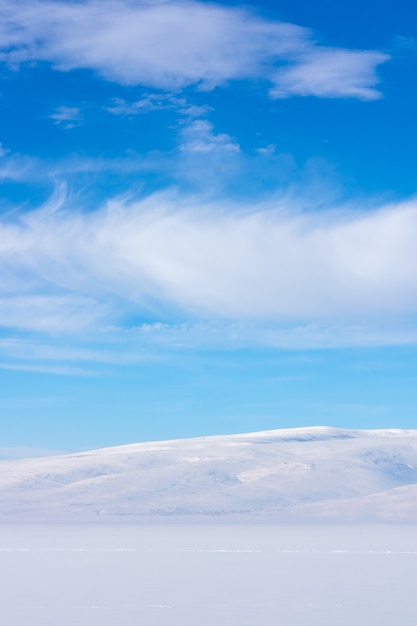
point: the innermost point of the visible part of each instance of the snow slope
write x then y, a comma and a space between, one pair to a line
299, 474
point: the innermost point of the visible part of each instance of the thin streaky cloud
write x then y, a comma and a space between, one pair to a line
15, 167
331, 74
67, 116
157, 102
56, 370
49, 313
100, 351
168, 252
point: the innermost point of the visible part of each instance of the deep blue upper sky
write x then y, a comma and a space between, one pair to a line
208, 218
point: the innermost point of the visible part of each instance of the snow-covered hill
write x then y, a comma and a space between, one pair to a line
296, 474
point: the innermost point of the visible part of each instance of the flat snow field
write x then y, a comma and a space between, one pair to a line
233, 575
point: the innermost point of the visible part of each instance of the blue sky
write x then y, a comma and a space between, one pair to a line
208, 219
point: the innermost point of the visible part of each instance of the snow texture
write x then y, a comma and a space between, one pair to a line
301, 474
201, 574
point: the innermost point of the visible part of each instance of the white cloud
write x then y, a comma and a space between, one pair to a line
279, 335
69, 117
150, 102
56, 370
15, 167
169, 253
49, 313
331, 74
269, 150
171, 44
98, 350
157, 102
199, 137
205, 159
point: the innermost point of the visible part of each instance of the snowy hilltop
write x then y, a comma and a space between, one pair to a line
300, 474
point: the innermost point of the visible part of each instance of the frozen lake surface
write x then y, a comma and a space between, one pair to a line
205, 574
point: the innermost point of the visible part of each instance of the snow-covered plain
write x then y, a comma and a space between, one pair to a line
300, 527
233, 575
302, 474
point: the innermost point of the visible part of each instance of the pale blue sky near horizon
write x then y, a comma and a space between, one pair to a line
208, 219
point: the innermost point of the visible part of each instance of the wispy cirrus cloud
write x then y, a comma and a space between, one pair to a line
168, 253
50, 313
157, 102
327, 73
67, 116
14, 167
97, 351
172, 44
